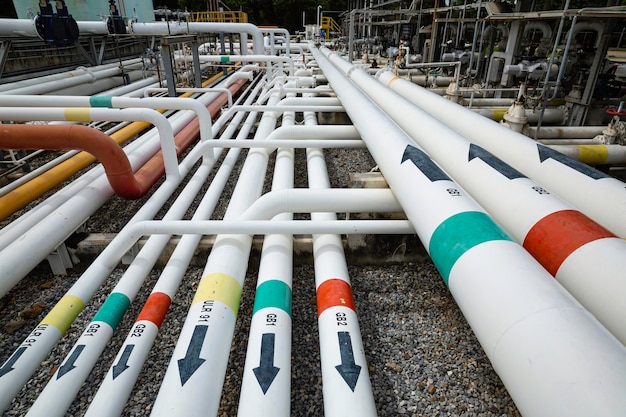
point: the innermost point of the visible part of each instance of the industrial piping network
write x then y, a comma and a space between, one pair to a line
553, 355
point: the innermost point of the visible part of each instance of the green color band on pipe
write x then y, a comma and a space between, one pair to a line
225, 59
101, 101
113, 309
458, 234
273, 293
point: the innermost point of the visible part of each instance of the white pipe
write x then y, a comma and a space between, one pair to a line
182, 103
593, 154
529, 213
166, 134
266, 380
242, 58
88, 76
148, 91
163, 28
536, 336
596, 194
346, 385
184, 390
59, 392
68, 217
19, 27
571, 132
64, 74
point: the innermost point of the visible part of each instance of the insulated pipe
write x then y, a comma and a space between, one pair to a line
166, 135
551, 354
266, 380
71, 137
597, 195
346, 385
548, 228
204, 117
211, 318
42, 339
63, 386
595, 154
243, 58
23, 195
556, 116
570, 132
143, 333
162, 28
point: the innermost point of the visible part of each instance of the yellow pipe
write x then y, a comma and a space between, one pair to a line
24, 194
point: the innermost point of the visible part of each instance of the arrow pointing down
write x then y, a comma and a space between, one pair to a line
266, 371
348, 369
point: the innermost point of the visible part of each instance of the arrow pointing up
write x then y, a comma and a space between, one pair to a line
122, 365
423, 163
348, 369
266, 371
192, 360
8, 365
546, 153
69, 364
508, 171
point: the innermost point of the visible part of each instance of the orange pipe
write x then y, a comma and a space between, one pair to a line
68, 137
23, 195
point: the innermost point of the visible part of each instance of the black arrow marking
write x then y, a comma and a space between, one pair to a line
494, 162
8, 365
122, 365
192, 360
348, 369
423, 163
69, 364
547, 153
266, 371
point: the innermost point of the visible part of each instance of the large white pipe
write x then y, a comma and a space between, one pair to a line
551, 354
532, 216
596, 194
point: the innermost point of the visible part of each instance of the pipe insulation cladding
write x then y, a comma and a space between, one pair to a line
552, 355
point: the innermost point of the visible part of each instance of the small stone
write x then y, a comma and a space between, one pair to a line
431, 389
32, 312
14, 325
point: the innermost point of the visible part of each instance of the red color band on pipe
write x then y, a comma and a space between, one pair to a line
553, 238
334, 292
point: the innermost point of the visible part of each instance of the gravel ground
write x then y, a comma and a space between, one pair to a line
422, 356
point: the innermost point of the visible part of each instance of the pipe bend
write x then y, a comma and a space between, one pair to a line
69, 137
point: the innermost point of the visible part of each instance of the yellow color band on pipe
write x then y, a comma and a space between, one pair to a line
593, 154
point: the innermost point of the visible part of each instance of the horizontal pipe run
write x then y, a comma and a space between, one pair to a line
224, 59
286, 143
569, 132
181, 103
356, 200
593, 154
166, 135
148, 91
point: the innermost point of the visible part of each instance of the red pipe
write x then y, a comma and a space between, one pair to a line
106, 150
